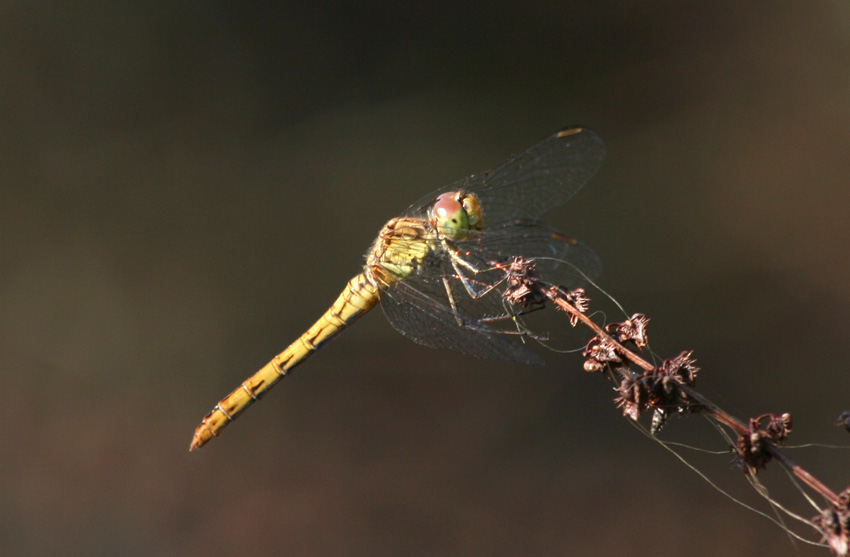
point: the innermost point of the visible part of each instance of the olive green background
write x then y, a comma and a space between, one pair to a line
186, 186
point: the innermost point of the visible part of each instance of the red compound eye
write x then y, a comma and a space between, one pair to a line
447, 206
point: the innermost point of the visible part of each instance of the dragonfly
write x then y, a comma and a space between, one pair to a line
437, 270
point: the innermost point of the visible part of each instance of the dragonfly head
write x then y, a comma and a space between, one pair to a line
456, 214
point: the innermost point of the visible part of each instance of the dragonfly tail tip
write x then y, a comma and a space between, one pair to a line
196, 443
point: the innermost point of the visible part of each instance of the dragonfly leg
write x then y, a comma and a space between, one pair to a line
521, 329
512, 315
457, 263
452, 301
459, 266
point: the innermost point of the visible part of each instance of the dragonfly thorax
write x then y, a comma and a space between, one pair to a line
401, 247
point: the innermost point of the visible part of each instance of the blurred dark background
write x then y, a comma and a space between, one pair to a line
186, 186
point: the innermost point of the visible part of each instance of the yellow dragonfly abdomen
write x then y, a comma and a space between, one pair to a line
358, 297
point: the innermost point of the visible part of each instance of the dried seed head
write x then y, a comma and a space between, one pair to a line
751, 447
578, 299
600, 351
521, 278
630, 396
778, 427
593, 366
632, 329
834, 523
683, 366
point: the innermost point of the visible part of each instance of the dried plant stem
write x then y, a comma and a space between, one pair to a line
670, 387
559, 299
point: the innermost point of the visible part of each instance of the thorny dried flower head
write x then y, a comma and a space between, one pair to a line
834, 523
576, 298
522, 278
632, 396
681, 368
751, 450
600, 352
659, 389
632, 329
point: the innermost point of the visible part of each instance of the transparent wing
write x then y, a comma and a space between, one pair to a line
434, 306
560, 260
533, 182
413, 309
